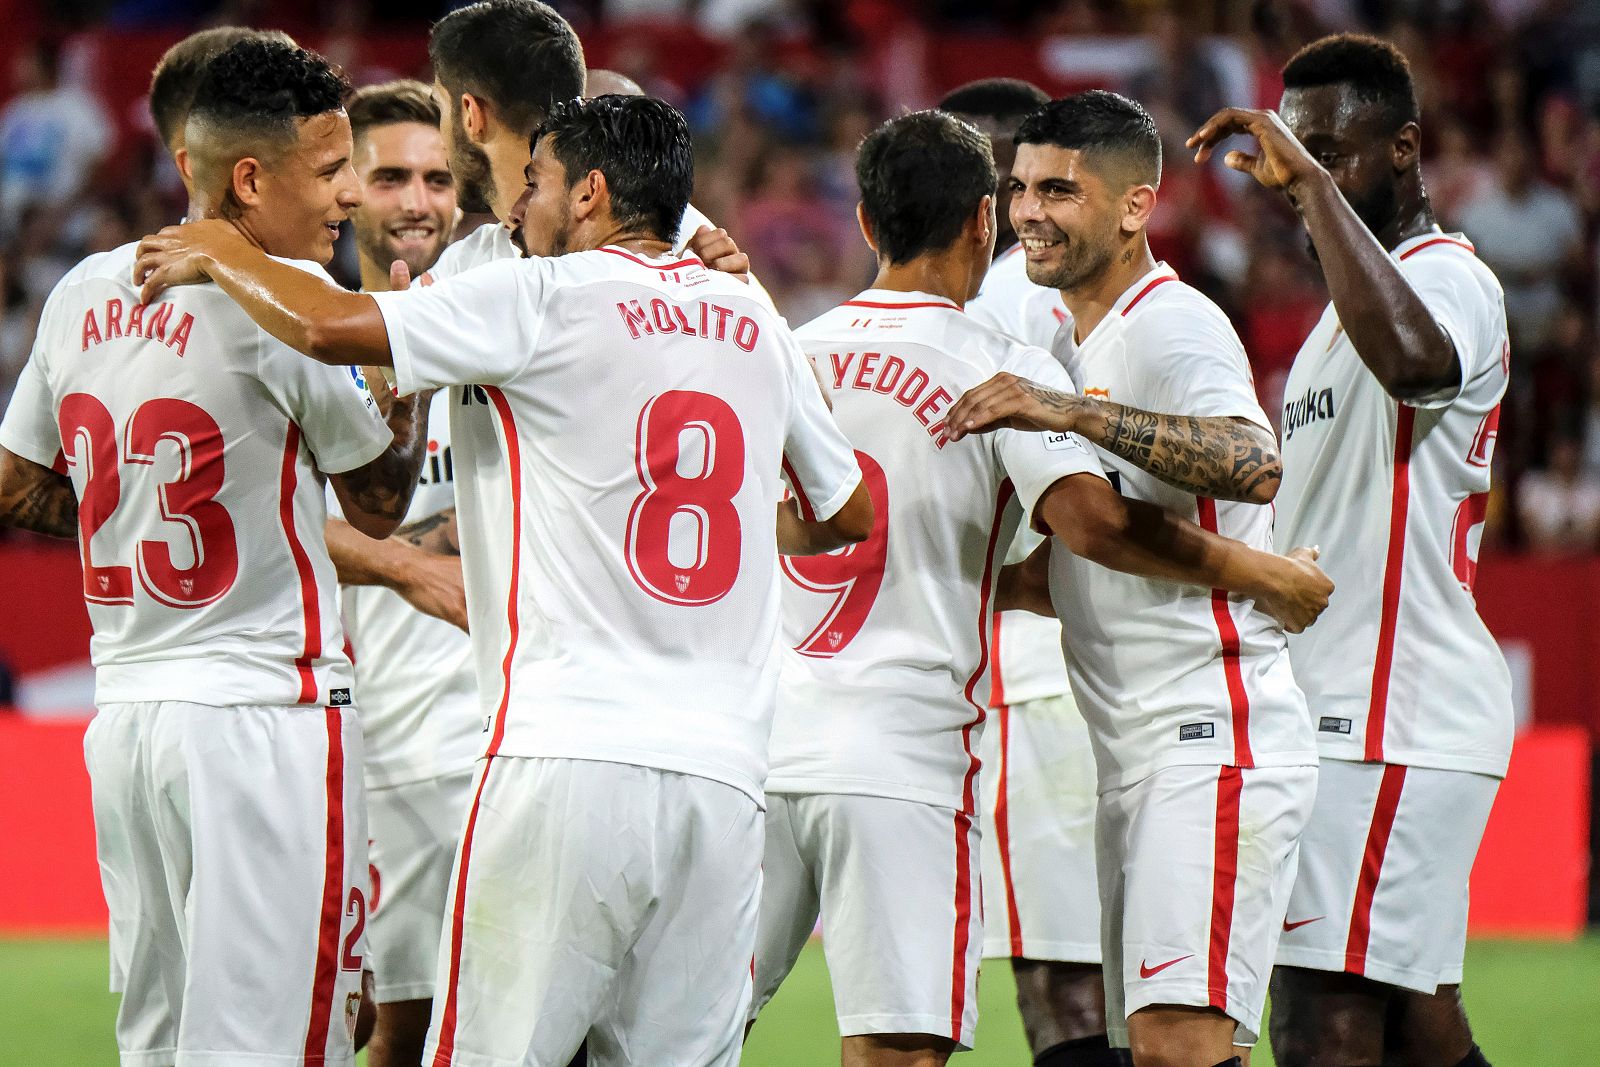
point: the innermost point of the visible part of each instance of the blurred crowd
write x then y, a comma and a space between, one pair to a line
1511, 123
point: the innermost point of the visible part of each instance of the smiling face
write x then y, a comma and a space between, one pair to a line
408, 203
307, 191
541, 222
1347, 136
1067, 217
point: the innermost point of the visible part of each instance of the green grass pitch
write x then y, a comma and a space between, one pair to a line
1533, 1004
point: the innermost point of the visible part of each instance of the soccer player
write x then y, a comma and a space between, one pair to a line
229, 813
419, 701
1389, 429
641, 407
178, 73
871, 795
1207, 763
1041, 896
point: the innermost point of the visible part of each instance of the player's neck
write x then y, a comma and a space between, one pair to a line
374, 278
936, 273
1414, 219
1092, 301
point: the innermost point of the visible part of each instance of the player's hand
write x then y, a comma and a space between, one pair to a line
1281, 161
1299, 592
400, 276
1025, 586
718, 251
434, 586
179, 255
1008, 402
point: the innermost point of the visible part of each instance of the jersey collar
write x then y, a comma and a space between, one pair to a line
1429, 239
1135, 294
895, 299
666, 261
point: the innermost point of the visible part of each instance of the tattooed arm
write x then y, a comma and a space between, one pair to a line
1221, 458
375, 497
436, 534
429, 581
34, 497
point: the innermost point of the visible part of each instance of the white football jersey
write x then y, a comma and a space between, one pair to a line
419, 696
1168, 674
1027, 647
1012, 304
885, 689
194, 442
1400, 668
623, 526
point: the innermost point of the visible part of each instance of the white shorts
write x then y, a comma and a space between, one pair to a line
1382, 889
603, 901
415, 828
895, 882
233, 852
1041, 900
1196, 865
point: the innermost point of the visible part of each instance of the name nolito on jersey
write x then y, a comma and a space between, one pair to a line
1315, 406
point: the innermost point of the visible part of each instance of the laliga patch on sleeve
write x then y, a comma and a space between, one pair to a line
1063, 442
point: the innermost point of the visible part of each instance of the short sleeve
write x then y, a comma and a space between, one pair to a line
331, 405
1196, 364
1465, 301
818, 461
479, 327
1036, 461
29, 429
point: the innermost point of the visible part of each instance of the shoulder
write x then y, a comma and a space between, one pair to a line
1173, 310
1450, 258
486, 244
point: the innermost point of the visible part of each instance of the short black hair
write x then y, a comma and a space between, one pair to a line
258, 88
391, 103
1101, 124
922, 175
1374, 69
642, 146
178, 73
519, 55
1000, 99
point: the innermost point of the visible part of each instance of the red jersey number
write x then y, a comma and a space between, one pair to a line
186, 501
854, 574
684, 536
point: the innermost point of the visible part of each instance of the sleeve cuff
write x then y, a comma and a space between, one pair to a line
405, 380
827, 509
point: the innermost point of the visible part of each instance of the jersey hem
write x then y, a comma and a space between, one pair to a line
855, 787
1219, 758
1048, 951
396, 779
1323, 960
654, 761
1492, 768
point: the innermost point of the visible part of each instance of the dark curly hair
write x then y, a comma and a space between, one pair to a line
922, 176
177, 75
1374, 69
259, 87
642, 146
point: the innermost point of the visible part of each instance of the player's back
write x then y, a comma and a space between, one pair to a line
200, 510
890, 658
645, 409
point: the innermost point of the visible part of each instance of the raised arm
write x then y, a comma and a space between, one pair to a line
1221, 458
1136, 537
34, 497
1391, 328
375, 497
309, 314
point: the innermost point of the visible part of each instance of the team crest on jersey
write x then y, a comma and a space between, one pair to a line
187, 585
1096, 391
352, 1009
682, 582
835, 638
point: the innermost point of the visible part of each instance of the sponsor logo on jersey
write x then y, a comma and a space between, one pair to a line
1330, 724
338, 698
1315, 406
1197, 731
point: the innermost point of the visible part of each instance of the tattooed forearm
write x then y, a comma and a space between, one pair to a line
383, 487
1222, 458
435, 534
43, 503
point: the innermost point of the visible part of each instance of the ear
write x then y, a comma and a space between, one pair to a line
589, 196
982, 224
1138, 204
245, 186
1407, 147
866, 228
475, 119
181, 158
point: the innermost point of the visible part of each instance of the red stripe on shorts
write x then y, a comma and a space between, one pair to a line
1002, 827
963, 933
309, 609
442, 1056
326, 975
1224, 877
1383, 813
1228, 631
1393, 571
